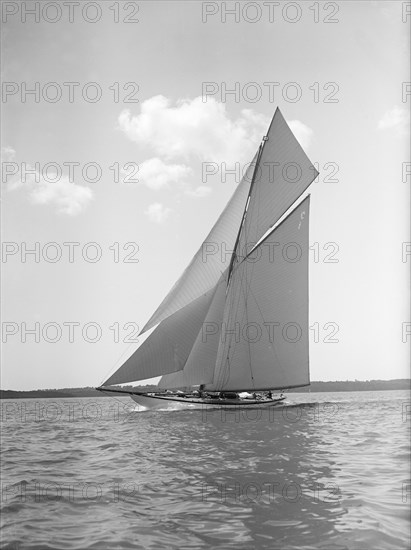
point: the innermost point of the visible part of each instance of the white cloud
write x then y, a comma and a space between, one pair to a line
194, 128
157, 212
397, 118
156, 174
69, 197
200, 192
7, 154
302, 132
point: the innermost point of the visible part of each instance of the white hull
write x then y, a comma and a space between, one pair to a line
197, 403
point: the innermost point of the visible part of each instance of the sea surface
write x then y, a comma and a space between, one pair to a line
96, 473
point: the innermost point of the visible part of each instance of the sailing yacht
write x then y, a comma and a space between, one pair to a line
234, 327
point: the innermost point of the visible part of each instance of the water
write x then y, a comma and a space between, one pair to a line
93, 473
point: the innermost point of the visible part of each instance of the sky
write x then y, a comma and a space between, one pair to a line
126, 151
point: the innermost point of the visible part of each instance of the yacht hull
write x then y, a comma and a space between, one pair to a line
160, 402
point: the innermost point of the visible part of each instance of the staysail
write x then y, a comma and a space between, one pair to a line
167, 348
200, 364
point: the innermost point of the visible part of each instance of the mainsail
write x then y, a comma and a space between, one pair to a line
257, 338
241, 324
264, 334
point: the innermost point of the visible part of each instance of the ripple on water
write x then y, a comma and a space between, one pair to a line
336, 477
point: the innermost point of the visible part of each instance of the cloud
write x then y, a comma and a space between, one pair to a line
68, 197
7, 154
397, 118
157, 212
194, 128
203, 130
156, 174
192, 131
302, 132
200, 192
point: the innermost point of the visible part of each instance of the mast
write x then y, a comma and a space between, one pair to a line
233, 257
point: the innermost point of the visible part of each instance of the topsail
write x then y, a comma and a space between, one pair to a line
283, 173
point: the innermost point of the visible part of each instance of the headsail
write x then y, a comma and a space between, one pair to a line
264, 336
173, 381
167, 348
208, 263
200, 364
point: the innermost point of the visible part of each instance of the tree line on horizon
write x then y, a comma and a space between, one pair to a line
330, 386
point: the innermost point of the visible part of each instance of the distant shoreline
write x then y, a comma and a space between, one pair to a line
336, 386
